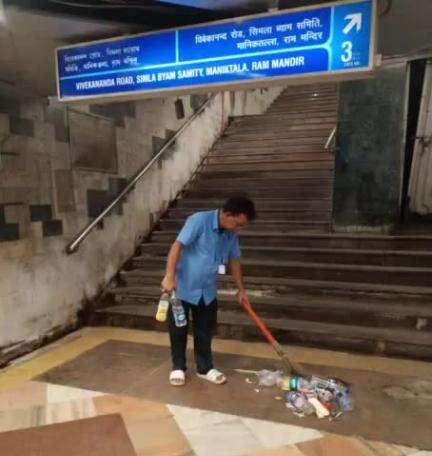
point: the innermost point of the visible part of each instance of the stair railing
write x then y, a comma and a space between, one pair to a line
73, 246
331, 140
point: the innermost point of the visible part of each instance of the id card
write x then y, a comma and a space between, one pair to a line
222, 269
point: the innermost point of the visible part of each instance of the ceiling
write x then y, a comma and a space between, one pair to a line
30, 30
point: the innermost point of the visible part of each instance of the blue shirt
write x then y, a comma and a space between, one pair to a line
205, 247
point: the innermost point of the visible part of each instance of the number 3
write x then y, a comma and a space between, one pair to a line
347, 46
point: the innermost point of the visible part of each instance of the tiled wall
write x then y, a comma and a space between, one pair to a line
370, 143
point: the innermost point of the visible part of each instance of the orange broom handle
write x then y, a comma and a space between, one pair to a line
257, 320
290, 365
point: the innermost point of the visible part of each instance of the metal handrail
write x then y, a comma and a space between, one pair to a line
330, 139
73, 246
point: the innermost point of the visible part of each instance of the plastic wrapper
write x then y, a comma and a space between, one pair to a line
269, 378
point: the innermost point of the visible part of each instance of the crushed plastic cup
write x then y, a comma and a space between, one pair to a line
299, 402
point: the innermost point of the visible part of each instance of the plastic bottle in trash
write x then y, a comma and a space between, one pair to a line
328, 383
269, 378
345, 402
178, 311
297, 383
299, 402
162, 309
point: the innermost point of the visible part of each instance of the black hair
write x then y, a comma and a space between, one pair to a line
240, 204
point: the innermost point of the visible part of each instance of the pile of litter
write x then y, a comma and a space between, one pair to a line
324, 397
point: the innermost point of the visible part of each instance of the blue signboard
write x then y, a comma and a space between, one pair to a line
305, 42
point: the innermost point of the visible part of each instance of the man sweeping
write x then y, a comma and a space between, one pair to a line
206, 245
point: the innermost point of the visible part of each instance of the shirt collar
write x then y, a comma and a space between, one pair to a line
215, 224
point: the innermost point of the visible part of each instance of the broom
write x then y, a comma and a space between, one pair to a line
289, 366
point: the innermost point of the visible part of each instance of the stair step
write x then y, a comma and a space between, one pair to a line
279, 225
268, 165
332, 241
278, 285
317, 137
311, 211
298, 109
271, 192
220, 149
308, 175
309, 180
274, 119
289, 131
236, 157
311, 97
304, 105
416, 276
309, 88
281, 215
315, 255
269, 117
306, 100
244, 123
373, 312
393, 342
262, 205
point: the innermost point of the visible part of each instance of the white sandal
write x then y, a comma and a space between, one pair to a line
214, 376
177, 378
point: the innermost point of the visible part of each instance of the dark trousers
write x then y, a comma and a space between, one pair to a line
204, 319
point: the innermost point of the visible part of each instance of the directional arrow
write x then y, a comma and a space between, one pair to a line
355, 20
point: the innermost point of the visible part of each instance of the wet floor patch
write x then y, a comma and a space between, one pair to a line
411, 390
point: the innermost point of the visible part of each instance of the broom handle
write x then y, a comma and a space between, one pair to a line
289, 365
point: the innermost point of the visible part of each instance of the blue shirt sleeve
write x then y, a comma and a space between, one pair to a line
190, 231
235, 252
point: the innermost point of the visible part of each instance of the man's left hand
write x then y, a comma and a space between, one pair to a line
242, 297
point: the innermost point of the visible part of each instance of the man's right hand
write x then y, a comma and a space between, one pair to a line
168, 284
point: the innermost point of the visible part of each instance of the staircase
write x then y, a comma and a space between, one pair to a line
367, 293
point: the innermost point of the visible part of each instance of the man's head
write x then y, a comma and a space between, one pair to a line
236, 212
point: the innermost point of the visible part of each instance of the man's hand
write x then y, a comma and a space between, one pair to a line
168, 284
242, 298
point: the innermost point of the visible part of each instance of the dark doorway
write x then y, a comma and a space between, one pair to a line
417, 74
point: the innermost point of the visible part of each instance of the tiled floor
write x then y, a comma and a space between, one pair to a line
175, 422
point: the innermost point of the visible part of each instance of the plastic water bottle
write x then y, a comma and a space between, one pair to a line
345, 402
333, 384
178, 311
297, 383
299, 402
163, 306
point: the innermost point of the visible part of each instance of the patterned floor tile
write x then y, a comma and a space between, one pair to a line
100, 436
406, 451
39, 415
161, 436
31, 416
282, 451
191, 418
25, 395
334, 445
271, 434
229, 438
60, 393
131, 407
384, 449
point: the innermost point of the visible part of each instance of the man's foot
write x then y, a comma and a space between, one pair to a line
177, 378
214, 376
